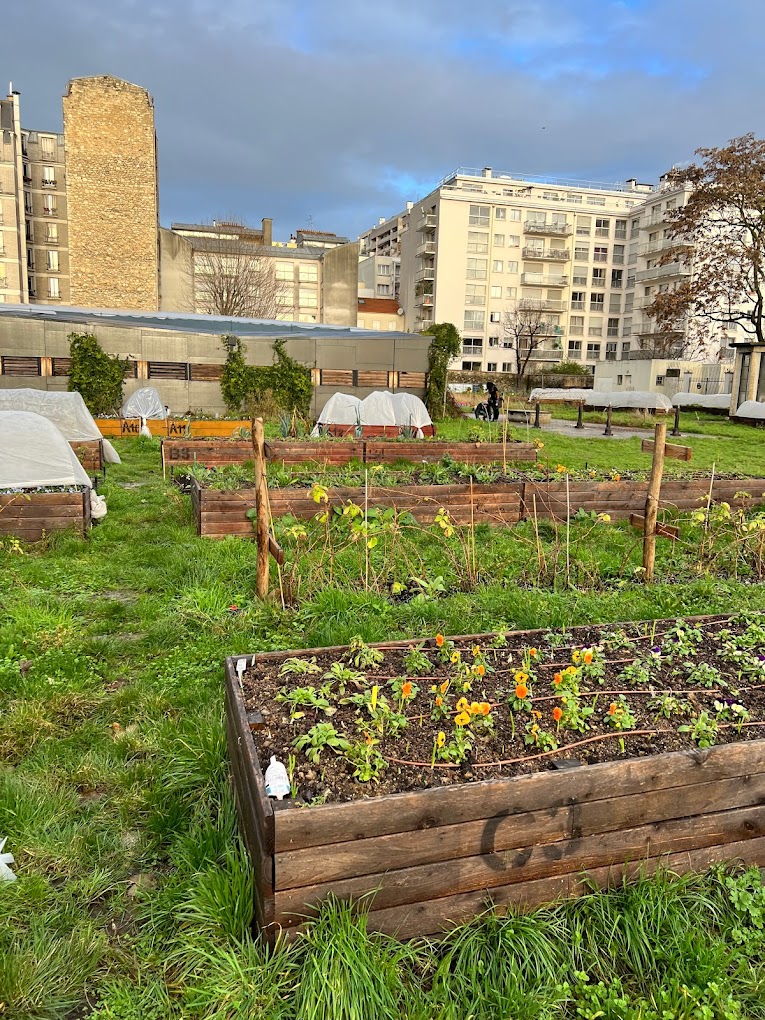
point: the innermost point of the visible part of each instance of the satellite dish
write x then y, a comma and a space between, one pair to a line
399, 311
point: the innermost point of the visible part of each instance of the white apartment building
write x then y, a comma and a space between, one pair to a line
380, 276
483, 243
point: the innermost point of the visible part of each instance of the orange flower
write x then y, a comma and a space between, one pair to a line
485, 708
480, 669
557, 714
532, 652
462, 719
612, 708
475, 708
406, 689
535, 714
558, 678
444, 687
617, 477
588, 657
521, 691
439, 640
439, 701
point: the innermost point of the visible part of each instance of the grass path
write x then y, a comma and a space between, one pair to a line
133, 897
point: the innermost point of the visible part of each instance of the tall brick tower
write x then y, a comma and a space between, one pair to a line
111, 168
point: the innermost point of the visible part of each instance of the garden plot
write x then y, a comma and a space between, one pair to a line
444, 774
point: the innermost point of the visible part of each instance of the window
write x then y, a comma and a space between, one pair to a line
474, 294
499, 240
491, 366
479, 215
602, 227
620, 229
285, 273
513, 240
511, 293
673, 373
575, 348
310, 274
496, 292
595, 200
599, 278
614, 303
579, 276
577, 300
617, 277
593, 352
52, 260
49, 205
308, 298
47, 147
659, 380
500, 214
582, 253
28, 203
497, 265
512, 267
613, 327
392, 325
576, 325
625, 349
515, 214
382, 270
471, 366
383, 290
618, 256
284, 299
611, 352
583, 224
595, 328
600, 254
48, 176
574, 199
30, 258
51, 233
53, 287
619, 380
494, 316
375, 323
476, 269
474, 320
597, 302
507, 366
477, 242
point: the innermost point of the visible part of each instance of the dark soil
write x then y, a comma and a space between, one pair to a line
741, 681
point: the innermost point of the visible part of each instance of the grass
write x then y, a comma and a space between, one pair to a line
133, 892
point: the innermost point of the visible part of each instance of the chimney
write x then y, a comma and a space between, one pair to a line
486, 171
409, 206
381, 221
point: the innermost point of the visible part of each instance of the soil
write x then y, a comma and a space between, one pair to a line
410, 753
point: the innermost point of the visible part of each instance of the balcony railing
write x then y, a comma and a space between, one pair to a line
577, 306
620, 235
576, 330
600, 256
550, 254
425, 300
49, 184
426, 248
602, 232
539, 280
658, 272
549, 228
598, 282
542, 305
473, 351
427, 222
428, 273
661, 244
618, 260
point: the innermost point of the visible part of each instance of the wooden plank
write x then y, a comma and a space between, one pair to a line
662, 530
435, 916
671, 450
529, 862
353, 858
427, 809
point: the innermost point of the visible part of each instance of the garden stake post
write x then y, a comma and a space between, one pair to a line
652, 501
676, 427
261, 504
536, 416
609, 430
579, 421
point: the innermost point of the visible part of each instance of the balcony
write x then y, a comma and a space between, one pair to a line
598, 282
542, 355
425, 300
472, 351
661, 244
547, 228
660, 272
602, 231
542, 305
426, 248
549, 254
427, 222
600, 256
429, 273
540, 280
576, 330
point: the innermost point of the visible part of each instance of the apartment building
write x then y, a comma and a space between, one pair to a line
585, 255
383, 314
79, 207
380, 276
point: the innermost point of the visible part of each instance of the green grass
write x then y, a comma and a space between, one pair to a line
132, 901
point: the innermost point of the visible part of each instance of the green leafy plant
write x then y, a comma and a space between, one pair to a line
245, 387
362, 656
417, 663
299, 667
703, 730
305, 697
445, 346
367, 760
320, 736
97, 376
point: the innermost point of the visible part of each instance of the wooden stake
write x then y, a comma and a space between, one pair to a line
261, 505
609, 430
652, 501
579, 421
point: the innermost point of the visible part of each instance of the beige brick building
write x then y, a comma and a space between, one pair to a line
111, 165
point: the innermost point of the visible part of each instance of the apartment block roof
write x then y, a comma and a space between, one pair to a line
371, 304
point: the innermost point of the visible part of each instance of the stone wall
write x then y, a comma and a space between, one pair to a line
111, 167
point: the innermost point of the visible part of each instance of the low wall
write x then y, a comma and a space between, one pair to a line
90, 453
33, 515
166, 427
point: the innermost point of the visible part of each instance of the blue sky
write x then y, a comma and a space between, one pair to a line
330, 114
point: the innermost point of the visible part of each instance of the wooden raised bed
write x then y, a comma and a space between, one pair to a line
181, 427
32, 515
220, 513
435, 857
466, 453
372, 431
620, 499
90, 453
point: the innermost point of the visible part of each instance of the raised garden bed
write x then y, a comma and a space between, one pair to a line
90, 453
125, 427
667, 769
219, 513
32, 515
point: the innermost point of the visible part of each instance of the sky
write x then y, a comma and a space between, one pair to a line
329, 114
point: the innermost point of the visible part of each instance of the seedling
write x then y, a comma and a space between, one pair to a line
319, 737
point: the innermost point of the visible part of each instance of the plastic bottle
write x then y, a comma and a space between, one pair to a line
277, 780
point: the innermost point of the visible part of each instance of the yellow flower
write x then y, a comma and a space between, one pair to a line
475, 708
476, 650
560, 468
576, 655
604, 518
570, 671
454, 657
462, 719
441, 739
521, 677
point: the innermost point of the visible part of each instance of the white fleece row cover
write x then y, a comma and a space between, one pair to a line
379, 408
751, 409
67, 411
33, 453
639, 399
144, 403
714, 401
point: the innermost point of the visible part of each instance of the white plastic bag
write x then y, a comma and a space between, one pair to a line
6, 875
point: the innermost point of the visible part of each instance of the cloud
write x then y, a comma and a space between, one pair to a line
339, 112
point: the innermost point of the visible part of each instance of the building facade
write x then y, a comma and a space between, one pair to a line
484, 248
379, 314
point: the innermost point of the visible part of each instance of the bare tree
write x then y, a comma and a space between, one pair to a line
236, 278
526, 328
720, 234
